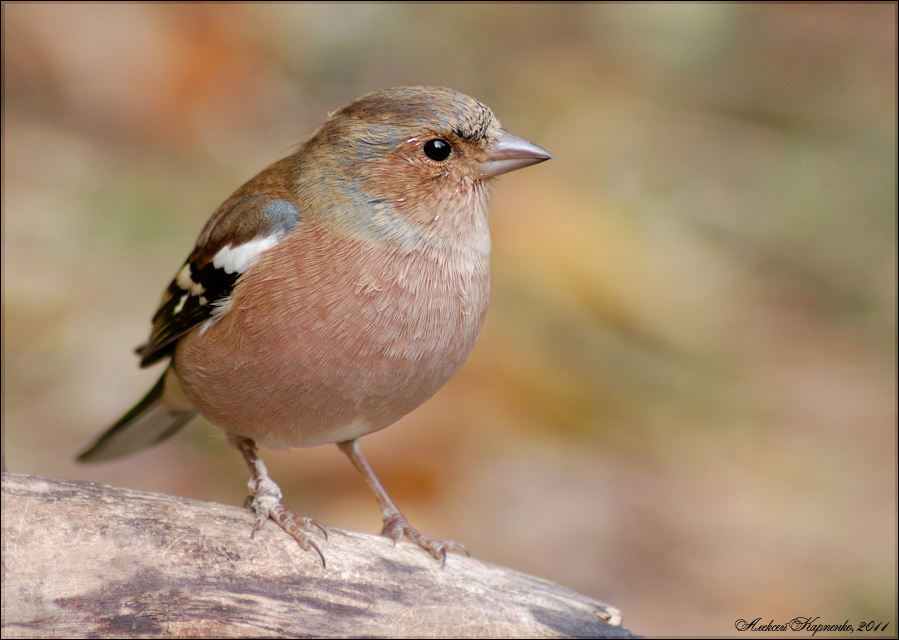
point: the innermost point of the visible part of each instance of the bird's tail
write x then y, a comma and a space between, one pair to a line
161, 414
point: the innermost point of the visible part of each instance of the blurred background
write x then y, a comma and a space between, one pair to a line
683, 401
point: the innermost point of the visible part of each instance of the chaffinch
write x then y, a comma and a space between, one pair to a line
333, 293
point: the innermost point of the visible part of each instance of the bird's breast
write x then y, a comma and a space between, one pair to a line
336, 337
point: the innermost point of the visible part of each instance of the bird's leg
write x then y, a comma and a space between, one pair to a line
265, 499
395, 524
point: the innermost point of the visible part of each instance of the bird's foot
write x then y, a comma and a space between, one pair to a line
265, 500
267, 504
396, 526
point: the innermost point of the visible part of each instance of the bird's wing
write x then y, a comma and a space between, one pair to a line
234, 239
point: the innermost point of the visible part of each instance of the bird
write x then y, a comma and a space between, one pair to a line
332, 294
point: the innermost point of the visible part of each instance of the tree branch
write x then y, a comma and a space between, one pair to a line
81, 559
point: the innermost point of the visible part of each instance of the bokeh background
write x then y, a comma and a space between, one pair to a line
683, 402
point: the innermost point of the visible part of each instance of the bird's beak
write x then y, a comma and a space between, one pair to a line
508, 153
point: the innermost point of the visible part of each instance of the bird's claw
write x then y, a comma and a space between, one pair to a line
265, 500
396, 526
270, 507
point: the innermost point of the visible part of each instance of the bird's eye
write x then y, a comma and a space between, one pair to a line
438, 149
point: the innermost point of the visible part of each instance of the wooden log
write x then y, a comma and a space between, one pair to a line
86, 560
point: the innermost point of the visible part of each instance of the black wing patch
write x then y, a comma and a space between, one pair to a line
233, 240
